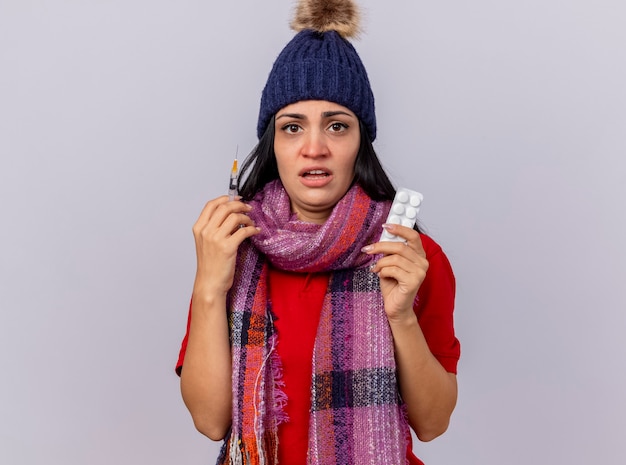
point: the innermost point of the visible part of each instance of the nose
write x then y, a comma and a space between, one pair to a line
314, 145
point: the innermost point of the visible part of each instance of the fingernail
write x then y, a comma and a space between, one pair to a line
387, 226
367, 248
372, 266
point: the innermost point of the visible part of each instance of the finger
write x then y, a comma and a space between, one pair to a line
221, 205
409, 280
215, 230
408, 234
411, 238
223, 211
409, 264
244, 233
210, 207
415, 243
392, 248
394, 272
233, 223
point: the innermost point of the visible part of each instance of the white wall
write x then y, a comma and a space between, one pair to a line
119, 119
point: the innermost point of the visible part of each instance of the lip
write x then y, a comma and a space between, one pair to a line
307, 169
315, 181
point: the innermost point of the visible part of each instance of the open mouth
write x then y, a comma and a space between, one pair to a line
313, 174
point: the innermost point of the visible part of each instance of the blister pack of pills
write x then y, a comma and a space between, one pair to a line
404, 210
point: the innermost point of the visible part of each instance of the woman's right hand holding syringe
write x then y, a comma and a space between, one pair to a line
219, 231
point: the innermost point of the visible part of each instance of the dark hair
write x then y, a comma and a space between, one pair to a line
260, 167
369, 173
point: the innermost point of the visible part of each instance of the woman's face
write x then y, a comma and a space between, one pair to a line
316, 145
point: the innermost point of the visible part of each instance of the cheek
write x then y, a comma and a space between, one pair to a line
281, 159
350, 164
352, 155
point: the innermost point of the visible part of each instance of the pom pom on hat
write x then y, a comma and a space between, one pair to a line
341, 16
320, 64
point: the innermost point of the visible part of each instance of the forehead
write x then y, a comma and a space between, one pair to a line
315, 107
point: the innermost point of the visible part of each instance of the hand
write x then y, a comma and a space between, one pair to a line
221, 228
402, 270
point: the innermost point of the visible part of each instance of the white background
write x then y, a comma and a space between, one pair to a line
119, 119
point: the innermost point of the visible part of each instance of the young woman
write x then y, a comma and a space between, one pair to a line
309, 341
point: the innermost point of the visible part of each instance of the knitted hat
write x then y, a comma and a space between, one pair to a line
320, 64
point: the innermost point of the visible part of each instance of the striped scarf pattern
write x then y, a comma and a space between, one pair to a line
357, 416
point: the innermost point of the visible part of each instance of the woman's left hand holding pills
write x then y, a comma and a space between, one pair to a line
402, 270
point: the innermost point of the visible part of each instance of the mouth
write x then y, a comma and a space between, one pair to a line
315, 174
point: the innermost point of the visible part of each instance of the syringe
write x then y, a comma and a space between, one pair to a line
234, 175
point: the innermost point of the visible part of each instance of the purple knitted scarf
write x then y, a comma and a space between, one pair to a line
357, 416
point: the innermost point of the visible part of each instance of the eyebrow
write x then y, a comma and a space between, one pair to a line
326, 114
330, 114
291, 115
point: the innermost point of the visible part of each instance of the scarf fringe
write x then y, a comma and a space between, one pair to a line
280, 398
235, 452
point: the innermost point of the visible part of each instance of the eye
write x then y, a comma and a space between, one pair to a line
291, 128
338, 127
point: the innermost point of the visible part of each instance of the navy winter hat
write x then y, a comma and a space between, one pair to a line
320, 64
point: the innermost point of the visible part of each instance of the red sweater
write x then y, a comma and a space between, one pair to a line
296, 304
